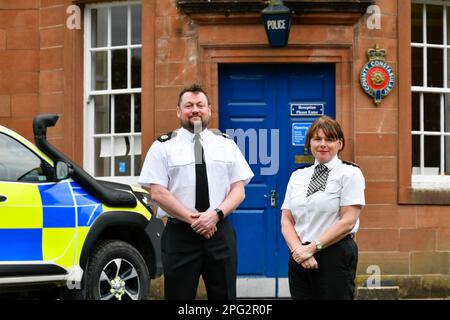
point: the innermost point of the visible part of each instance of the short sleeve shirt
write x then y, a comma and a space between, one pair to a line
313, 215
171, 164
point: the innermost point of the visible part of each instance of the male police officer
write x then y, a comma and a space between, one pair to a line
197, 176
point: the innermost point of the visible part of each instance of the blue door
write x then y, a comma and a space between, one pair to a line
267, 110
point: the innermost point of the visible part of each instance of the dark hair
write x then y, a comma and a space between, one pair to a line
330, 127
195, 88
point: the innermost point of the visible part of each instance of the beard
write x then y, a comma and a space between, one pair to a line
196, 125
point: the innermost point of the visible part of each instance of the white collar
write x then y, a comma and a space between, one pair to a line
190, 135
330, 164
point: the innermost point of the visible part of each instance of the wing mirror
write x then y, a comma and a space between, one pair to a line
63, 170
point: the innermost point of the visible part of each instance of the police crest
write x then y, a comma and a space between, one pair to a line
377, 78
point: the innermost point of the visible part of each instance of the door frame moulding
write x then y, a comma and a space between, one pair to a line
341, 55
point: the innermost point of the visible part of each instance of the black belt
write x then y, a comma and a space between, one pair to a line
349, 236
174, 220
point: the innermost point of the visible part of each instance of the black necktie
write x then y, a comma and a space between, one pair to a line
201, 177
318, 179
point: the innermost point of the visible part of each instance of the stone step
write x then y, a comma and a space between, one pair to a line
378, 293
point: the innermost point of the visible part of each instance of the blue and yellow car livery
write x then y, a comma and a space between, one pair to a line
54, 230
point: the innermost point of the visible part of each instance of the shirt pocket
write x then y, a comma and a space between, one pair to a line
333, 188
181, 168
221, 164
221, 154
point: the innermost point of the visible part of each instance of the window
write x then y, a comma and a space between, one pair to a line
112, 119
18, 163
430, 62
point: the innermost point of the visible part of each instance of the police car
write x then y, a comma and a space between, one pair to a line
59, 225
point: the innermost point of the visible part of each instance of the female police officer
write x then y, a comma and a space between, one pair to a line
320, 216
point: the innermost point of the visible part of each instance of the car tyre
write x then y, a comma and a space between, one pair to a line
116, 271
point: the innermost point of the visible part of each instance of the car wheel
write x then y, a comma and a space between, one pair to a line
116, 271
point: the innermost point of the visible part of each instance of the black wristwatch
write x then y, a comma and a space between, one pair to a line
219, 213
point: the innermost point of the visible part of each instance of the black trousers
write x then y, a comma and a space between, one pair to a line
187, 255
333, 280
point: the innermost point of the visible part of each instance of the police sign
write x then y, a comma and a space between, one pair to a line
377, 78
277, 23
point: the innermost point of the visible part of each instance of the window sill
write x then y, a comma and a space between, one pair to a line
427, 190
424, 196
433, 182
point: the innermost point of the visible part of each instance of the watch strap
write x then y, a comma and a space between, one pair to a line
220, 213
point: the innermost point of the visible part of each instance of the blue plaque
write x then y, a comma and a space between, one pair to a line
307, 109
299, 133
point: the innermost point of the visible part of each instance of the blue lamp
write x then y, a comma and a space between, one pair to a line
277, 22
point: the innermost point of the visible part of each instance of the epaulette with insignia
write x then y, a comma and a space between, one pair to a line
350, 163
219, 133
167, 136
304, 166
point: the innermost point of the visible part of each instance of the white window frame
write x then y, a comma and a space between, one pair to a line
90, 94
421, 178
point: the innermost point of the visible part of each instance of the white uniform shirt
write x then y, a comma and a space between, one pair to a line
313, 215
172, 164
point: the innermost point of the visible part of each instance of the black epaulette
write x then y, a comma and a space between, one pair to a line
350, 163
167, 136
219, 133
304, 166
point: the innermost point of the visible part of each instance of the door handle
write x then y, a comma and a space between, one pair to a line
3, 198
273, 198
